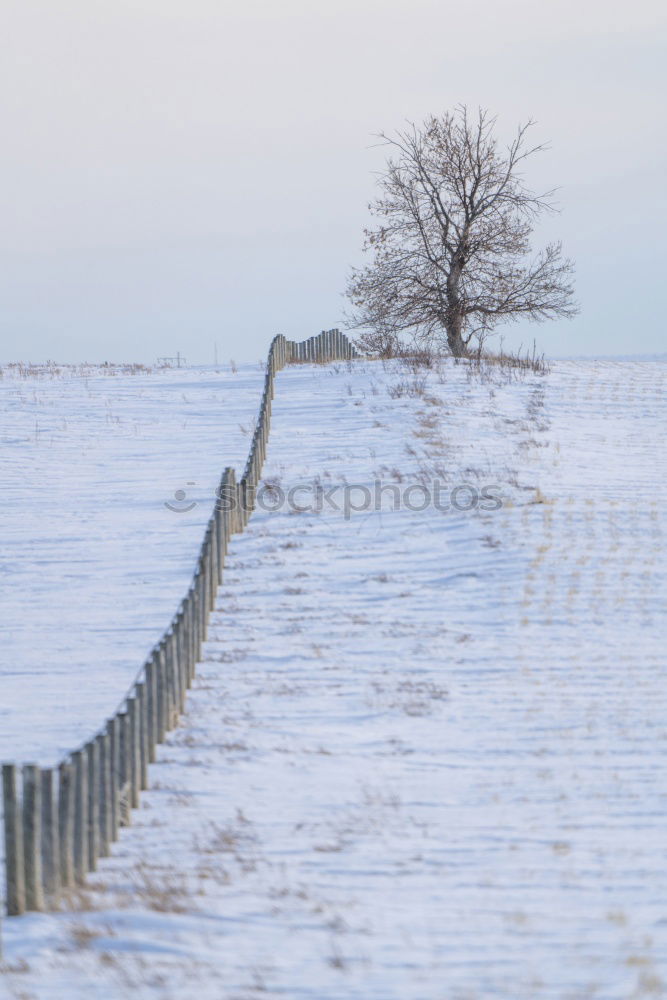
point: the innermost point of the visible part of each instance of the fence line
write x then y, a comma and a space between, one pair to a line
58, 821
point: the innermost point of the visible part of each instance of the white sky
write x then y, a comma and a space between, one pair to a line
179, 174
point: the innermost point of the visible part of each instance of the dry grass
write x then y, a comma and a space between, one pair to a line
481, 361
19, 967
510, 365
51, 370
412, 388
161, 889
83, 935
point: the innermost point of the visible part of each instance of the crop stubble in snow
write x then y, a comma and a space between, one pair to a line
423, 756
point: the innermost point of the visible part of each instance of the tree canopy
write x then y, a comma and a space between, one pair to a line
451, 254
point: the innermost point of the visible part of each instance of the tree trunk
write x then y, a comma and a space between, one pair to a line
454, 315
455, 340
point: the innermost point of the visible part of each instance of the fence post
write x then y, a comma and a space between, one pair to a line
172, 680
133, 749
66, 823
228, 499
113, 727
225, 517
222, 542
142, 725
32, 837
193, 628
151, 705
177, 694
202, 604
215, 549
210, 555
179, 629
179, 644
80, 816
238, 512
179, 684
124, 769
183, 669
161, 691
50, 847
13, 842
196, 643
196, 631
104, 808
92, 761
189, 636
214, 560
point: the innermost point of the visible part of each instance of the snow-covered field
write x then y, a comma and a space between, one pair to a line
93, 562
424, 755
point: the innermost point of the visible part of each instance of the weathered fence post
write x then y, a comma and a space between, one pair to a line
104, 765
151, 705
202, 604
232, 492
13, 842
220, 538
190, 635
124, 769
66, 787
172, 679
162, 691
142, 723
133, 757
196, 634
93, 777
183, 668
81, 865
32, 837
50, 846
215, 554
113, 727
196, 623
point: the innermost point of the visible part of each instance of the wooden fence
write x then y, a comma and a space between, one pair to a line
59, 821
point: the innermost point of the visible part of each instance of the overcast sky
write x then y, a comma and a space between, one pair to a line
177, 175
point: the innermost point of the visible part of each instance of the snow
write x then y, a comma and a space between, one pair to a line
93, 562
423, 756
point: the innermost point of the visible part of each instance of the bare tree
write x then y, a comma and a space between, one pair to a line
451, 254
